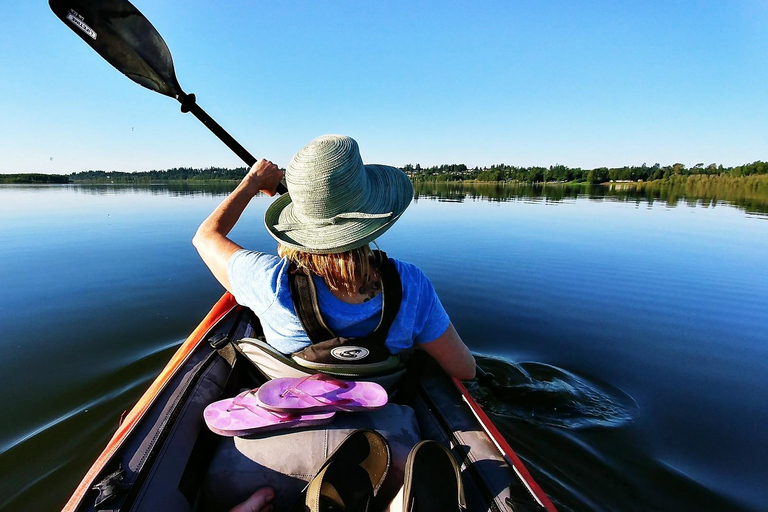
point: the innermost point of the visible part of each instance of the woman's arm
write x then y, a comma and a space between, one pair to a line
211, 240
452, 354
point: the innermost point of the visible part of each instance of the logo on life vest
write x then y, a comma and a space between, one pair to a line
350, 353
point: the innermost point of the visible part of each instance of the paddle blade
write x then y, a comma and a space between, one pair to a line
125, 38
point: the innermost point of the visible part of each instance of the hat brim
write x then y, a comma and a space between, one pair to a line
390, 191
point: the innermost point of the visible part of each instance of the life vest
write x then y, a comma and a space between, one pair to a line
365, 357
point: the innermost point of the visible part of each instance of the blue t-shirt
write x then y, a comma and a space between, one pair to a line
260, 282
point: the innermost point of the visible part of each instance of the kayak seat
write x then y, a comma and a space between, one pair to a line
273, 364
287, 461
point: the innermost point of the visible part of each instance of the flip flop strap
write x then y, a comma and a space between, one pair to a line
314, 399
323, 377
237, 401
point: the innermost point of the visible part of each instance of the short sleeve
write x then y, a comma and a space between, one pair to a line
254, 278
432, 320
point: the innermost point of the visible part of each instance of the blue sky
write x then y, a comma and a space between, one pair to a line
521, 82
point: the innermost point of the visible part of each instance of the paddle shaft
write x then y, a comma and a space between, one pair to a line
485, 378
188, 104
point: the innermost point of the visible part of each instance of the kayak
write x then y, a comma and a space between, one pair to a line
163, 457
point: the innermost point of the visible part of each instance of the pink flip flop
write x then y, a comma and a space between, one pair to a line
318, 392
241, 415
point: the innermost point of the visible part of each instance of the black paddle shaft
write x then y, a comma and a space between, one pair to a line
188, 104
118, 32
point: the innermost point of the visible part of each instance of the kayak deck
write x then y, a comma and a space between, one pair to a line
163, 457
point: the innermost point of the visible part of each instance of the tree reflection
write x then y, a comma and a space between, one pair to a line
706, 193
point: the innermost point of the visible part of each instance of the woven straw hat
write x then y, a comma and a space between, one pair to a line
334, 202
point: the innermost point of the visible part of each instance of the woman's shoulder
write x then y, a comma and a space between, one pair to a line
250, 258
403, 266
256, 278
246, 266
409, 273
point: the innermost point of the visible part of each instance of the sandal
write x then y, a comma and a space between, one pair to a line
241, 415
350, 478
432, 480
320, 393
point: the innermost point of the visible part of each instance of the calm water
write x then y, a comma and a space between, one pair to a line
628, 333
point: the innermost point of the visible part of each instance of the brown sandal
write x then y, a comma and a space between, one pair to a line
432, 480
351, 477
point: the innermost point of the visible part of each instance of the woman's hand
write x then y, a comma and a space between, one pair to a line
264, 176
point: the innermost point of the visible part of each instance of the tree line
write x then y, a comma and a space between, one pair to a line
175, 174
446, 172
563, 173
31, 178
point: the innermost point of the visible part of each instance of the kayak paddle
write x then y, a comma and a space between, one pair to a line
127, 40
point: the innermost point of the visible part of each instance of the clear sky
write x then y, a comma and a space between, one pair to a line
523, 82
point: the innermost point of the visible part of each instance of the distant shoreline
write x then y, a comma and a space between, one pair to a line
62, 179
33, 179
58, 179
754, 175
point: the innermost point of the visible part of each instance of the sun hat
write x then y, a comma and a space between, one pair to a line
334, 202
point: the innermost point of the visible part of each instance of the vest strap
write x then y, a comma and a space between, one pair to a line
304, 298
305, 302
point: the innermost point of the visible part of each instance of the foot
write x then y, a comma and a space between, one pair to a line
260, 501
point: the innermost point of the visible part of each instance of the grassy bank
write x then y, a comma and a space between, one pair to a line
757, 183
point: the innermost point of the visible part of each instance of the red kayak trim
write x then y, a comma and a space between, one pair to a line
221, 308
506, 450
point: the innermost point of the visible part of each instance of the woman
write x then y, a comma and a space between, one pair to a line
335, 207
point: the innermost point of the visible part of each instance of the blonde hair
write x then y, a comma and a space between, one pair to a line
340, 271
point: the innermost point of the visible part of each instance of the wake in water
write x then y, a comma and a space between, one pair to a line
542, 394
48, 458
575, 436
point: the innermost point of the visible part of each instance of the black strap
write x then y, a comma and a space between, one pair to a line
304, 297
391, 296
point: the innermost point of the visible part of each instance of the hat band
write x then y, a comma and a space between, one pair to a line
290, 226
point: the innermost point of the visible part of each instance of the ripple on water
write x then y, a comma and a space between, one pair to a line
49, 458
543, 394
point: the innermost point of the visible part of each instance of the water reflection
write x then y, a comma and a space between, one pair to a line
610, 297
748, 199
173, 189
671, 194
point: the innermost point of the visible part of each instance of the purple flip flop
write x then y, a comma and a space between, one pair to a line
318, 393
241, 415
